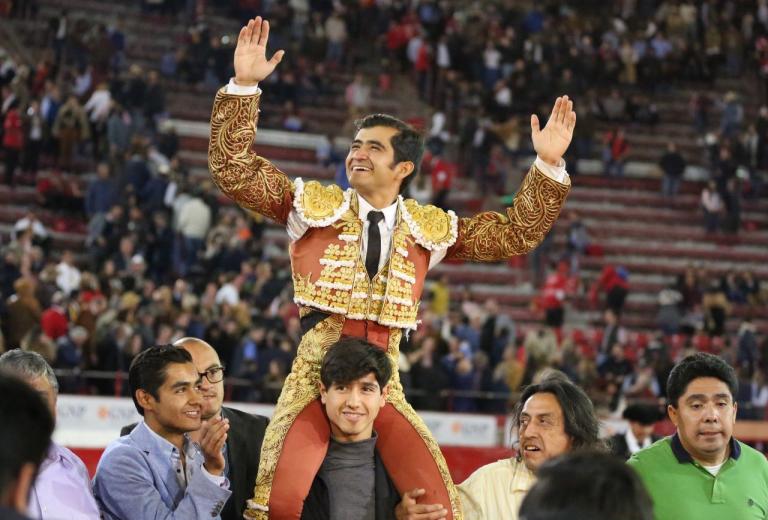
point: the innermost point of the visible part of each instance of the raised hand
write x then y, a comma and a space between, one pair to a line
251, 63
552, 142
212, 439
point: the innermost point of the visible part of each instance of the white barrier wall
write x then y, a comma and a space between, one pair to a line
92, 422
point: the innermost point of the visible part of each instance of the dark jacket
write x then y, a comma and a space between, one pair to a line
618, 444
318, 507
10, 514
246, 433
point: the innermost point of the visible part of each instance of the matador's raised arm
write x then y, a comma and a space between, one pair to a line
491, 236
251, 181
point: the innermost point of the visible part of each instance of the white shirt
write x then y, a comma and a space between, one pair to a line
492, 58
496, 490
714, 470
67, 277
632, 443
98, 105
23, 224
228, 294
296, 227
194, 218
711, 201
443, 56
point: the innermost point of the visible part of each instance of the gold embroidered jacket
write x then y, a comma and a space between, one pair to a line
328, 272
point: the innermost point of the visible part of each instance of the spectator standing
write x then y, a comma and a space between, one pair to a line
23, 312
71, 127
119, 132
193, 220
615, 152
102, 192
442, 174
732, 203
98, 108
12, 140
716, 308
53, 320
358, 96
336, 36
670, 310
614, 282
154, 100
34, 135
67, 274
732, 117
712, 205
672, 166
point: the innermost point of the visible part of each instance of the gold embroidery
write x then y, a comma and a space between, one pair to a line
399, 309
491, 236
396, 398
434, 226
320, 201
343, 285
332, 289
300, 389
251, 181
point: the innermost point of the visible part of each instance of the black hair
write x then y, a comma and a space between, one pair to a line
581, 423
26, 428
408, 143
148, 369
584, 485
352, 358
695, 366
645, 414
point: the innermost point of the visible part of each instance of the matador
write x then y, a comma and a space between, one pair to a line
359, 258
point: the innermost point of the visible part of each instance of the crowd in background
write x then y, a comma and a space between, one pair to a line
164, 258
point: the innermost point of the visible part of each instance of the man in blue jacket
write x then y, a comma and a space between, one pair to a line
157, 471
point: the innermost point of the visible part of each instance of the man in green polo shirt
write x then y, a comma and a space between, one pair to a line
702, 472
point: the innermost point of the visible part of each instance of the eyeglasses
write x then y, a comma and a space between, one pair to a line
214, 374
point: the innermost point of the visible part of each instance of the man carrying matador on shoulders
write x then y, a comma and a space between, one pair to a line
359, 259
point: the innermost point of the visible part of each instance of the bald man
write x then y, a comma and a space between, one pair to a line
246, 431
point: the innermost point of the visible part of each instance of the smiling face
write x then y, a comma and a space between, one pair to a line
352, 407
178, 406
542, 430
205, 358
704, 417
371, 166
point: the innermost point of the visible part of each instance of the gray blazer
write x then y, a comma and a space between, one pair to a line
136, 480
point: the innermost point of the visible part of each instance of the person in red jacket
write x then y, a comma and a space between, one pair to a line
614, 282
13, 140
556, 288
615, 152
54, 320
442, 173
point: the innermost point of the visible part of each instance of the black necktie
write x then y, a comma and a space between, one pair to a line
374, 243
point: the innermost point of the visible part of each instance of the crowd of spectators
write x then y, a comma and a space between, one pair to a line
164, 259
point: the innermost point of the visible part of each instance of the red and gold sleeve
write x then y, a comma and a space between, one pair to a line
253, 182
491, 236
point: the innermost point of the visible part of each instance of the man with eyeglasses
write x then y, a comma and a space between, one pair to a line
246, 432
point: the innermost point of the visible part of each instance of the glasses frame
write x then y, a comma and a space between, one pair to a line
217, 368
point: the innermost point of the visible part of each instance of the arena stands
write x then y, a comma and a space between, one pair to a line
643, 69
